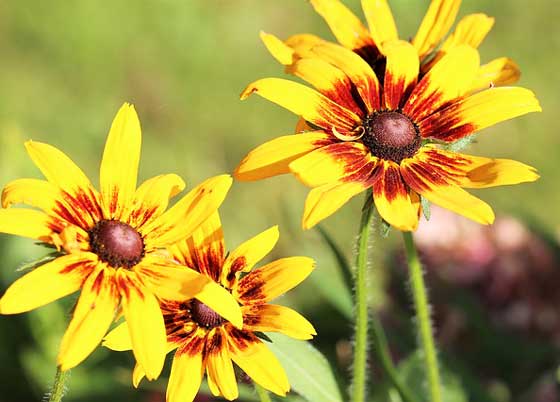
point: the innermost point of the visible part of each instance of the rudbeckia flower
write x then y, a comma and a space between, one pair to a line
388, 136
110, 244
428, 42
203, 340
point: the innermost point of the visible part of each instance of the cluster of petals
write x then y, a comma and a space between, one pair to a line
384, 112
205, 342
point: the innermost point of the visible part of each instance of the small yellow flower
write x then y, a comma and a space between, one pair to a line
207, 342
112, 244
371, 44
363, 131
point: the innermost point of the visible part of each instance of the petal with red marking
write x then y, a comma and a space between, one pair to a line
218, 364
401, 73
274, 318
187, 371
498, 72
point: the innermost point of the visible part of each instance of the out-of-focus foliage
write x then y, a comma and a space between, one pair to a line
66, 67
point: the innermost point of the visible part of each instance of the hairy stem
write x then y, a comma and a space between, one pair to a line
359, 367
423, 317
58, 389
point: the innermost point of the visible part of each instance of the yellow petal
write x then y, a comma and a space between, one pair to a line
278, 49
325, 200
91, 320
258, 362
436, 189
270, 281
498, 72
219, 365
25, 222
273, 157
380, 20
393, 200
185, 216
401, 73
119, 166
274, 318
302, 44
47, 283
37, 193
332, 163
450, 78
145, 320
118, 339
245, 256
435, 25
355, 67
138, 375
345, 26
304, 101
152, 197
479, 111
328, 80
186, 375
471, 30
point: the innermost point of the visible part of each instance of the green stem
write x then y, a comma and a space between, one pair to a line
262, 393
382, 350
423, 317
58, 388
361, 305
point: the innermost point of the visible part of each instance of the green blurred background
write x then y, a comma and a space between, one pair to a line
66, 67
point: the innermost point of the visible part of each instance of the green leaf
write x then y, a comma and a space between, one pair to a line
413, 372
426, 208
308, 371
37, 263
461, 143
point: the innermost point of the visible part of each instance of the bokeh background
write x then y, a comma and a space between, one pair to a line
65, 69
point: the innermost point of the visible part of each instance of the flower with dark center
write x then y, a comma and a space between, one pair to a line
111, 242
362, 131
204, 340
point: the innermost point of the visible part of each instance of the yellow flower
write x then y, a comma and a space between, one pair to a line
205, 341
371, 43
362, 133
111, 242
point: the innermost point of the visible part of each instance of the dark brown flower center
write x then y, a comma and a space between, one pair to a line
204, 316
391, 135
116, 243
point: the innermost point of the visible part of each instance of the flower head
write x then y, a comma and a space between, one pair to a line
111, 244
388, 135
207, 342
373, 44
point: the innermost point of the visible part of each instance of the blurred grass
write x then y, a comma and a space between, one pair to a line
66, 67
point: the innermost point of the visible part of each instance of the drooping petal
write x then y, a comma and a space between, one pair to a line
152, 197
47, 283
479, 111
119, 166
304, 101
270, 281
91, 320
449, 79
355, 67
245, 256
392, 199
436, 23
138, 375
438, 186
274, 318
345, 26
119, 338
258, 362
187, 214
348, 161
186, 372
401, 73
382, 27
81, 201
37, 193
25, 222
302, 44
325, 200
273, 157
204, 251
174, 282
219, 365
499, 72
145, 321
278, 49
328, 80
